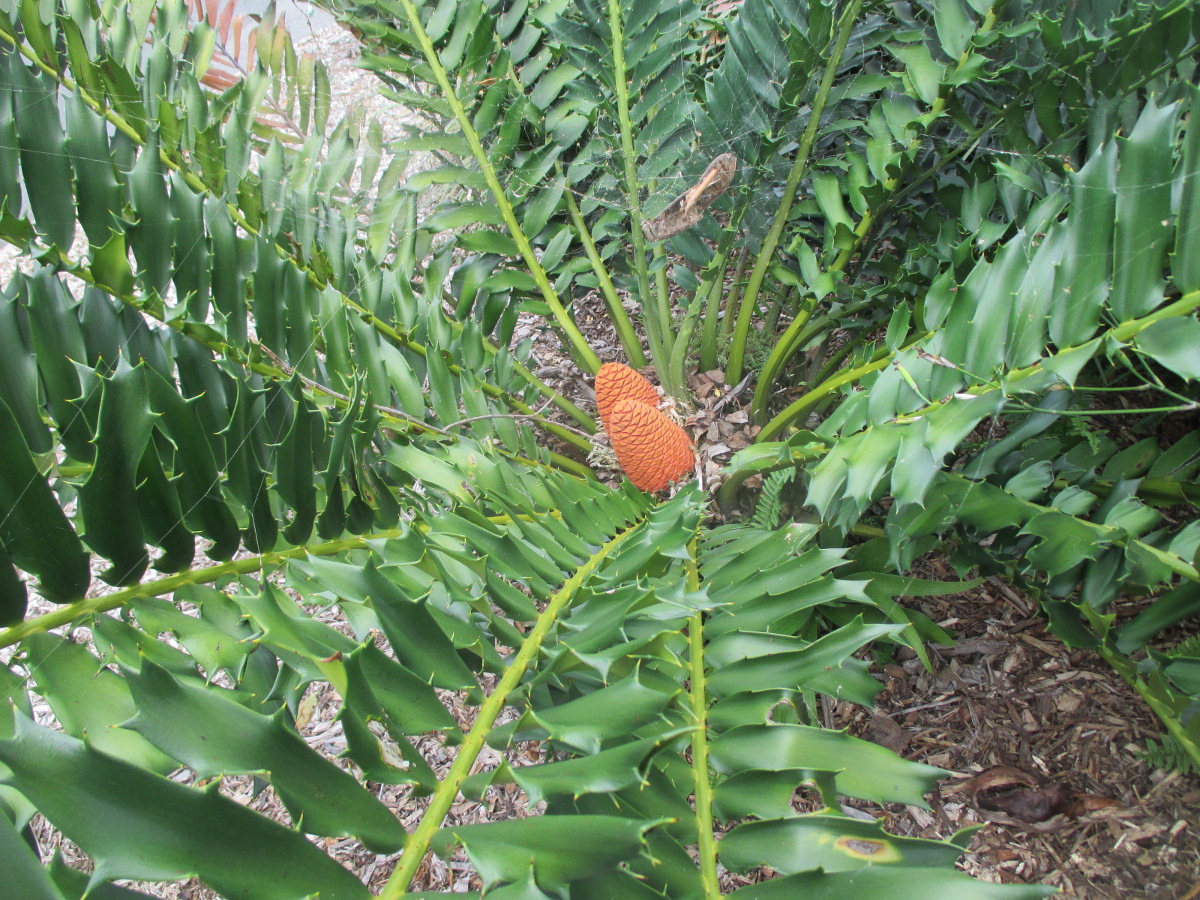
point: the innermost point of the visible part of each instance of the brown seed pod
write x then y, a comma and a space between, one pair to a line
616, 381
651, 448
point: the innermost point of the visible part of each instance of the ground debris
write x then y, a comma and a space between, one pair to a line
1009, 694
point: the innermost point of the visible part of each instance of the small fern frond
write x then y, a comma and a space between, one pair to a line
1169, 754
1188, 647
770, 502
1083, 427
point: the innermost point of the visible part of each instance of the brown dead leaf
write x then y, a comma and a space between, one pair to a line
738, 417
999, 778
1020, 796
885, 731
1031, 805
304, 712
688, 208
1069, 702
1082, 804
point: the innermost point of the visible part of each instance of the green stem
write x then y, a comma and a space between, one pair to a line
793, 339
829, 320
64, 615
706, 300
736, 287
616, 311
577, 342
1161, 707
585, 420
1127, 331
868, 531
708, 336
1122, 333
565, 463
439, 805
805, 403
727, 494
706, 847
799, 166
679, 352
710, 289
663, 296
771, 319
655, 310
829, 366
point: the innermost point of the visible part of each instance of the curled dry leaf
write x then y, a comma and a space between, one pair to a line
686, 210
616, 381
1017, 795
651, 448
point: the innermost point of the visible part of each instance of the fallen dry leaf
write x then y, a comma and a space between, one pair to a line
1020, 796
885, 731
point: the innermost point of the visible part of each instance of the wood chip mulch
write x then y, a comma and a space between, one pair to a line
1010, 694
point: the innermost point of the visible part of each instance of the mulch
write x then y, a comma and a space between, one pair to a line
1009, 693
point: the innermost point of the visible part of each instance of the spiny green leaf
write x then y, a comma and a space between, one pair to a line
34, 532
610, 712
89, 700
24, 875
864, 770
609, 770
830, 843
167, 830
212, 734
570, 848
914, 884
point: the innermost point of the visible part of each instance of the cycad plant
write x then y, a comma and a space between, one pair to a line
265, 433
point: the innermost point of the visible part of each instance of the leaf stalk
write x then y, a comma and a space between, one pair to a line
698, 695
737, 352
616, 311
656, 312
439, 805
579, 346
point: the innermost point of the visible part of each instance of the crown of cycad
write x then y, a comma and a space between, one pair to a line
616, 381
651, 448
